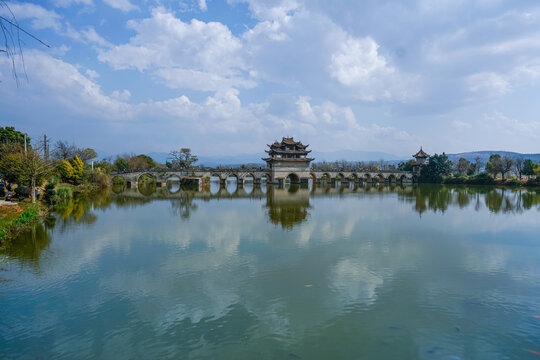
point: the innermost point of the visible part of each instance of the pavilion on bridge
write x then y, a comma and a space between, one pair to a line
288, 159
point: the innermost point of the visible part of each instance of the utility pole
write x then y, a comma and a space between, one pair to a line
45, 148
24, 144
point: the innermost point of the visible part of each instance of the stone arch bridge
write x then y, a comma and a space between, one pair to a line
161, 176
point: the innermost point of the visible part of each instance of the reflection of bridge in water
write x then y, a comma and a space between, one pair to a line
436, 198
286, 205
216, 190
161, 176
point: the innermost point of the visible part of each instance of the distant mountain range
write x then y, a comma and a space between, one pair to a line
348, 155
231, 160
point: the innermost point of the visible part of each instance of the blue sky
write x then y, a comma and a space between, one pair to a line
230, 76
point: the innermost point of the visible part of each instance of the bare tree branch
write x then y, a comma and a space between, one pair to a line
11, 45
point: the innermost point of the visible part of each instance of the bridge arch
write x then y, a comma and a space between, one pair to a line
379, 178
326, 177
118, 179
293, 178
391, 178
403, 179
150, 175
172, 177
367, 178
217, 175
247, 177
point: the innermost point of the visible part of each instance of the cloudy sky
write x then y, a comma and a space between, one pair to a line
229, 76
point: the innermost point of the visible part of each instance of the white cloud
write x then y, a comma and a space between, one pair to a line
90, 35
202, 5
123, 95
488, 84
196, 55
91, 74
308, 49
41, 18
67, 3
358, 65
123, 5
512, 128
62, 83
271, 10
461, 125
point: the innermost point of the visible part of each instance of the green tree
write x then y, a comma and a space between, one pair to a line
141, 162
27, 168
35, 169
121, 164
10, 166
464, 166
494, 166
406, 166
10, 135
528, 167
437, 167
182, 159
86, 154
105, 166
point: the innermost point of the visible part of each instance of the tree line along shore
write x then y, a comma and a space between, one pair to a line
38, 173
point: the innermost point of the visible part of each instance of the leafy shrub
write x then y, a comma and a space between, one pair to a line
455, 180
480, 179
64, 193
513, 182
50, 194
99, 178
533, 182
54, 180
22, 191
26, 216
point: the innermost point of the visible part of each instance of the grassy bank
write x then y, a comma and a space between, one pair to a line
15, 218
484, 179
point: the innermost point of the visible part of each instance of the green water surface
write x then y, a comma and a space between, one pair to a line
344, 272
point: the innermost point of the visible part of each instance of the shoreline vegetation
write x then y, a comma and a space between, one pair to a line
18, 217
39, 177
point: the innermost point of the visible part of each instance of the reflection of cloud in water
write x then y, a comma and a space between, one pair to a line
354, 282
227, 255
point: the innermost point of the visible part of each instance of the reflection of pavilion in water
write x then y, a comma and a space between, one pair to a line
287, 206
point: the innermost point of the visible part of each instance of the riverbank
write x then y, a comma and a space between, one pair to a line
484, 179
16, 217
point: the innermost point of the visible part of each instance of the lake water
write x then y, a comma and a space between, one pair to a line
413, 272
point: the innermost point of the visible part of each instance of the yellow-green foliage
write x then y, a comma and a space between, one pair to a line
78, 167
72, 171
66, 170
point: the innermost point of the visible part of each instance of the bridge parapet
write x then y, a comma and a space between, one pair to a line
163, 175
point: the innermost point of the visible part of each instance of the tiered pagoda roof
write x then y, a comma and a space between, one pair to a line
288, 150
421, 154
